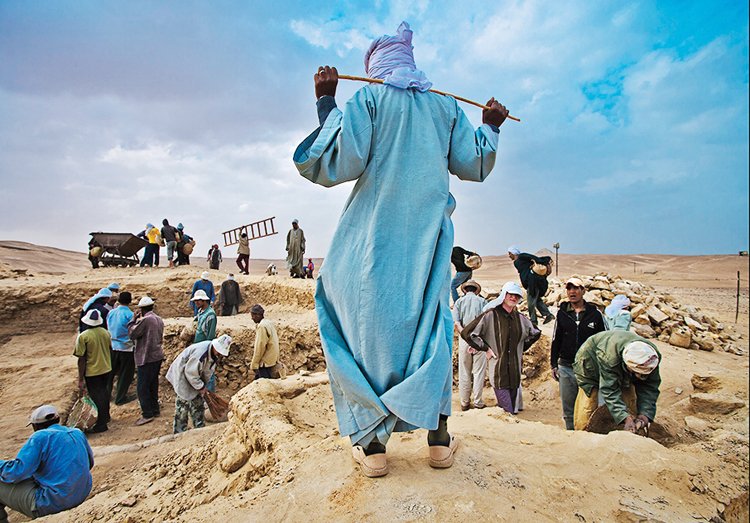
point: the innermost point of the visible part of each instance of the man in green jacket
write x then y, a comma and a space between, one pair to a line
621, 370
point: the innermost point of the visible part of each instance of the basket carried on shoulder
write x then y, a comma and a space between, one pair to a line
474, 261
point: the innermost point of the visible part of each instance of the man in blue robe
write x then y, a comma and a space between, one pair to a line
382, 295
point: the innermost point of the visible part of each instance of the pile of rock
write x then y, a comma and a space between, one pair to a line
655, 314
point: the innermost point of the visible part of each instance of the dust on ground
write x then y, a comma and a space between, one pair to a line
279, 456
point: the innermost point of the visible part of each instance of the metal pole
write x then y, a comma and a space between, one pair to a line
737, 308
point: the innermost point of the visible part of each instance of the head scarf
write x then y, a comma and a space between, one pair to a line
619, 302
205, 275
510, 287
114, 286
103, 293
180, 226
640, 357
391, 59
514, 250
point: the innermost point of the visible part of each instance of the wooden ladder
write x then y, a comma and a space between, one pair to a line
255, 230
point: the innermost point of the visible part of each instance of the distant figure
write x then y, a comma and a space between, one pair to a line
214, 257
146, 329
230, 296
295, 248
52, 471
504, 334
271, 270
472, 365
94, 248
151, 254
123, 362
185, 239
189, 374
309, 268
535, 285
206, 318
576, 322
616, 314
169, 236
206, 286
243, 254
463, 271
621, 370
98, 301
266, 352
95, 365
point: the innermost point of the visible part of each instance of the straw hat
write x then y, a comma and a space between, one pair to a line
471, 283
145, 301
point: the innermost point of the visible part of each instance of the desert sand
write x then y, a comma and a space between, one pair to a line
279, 456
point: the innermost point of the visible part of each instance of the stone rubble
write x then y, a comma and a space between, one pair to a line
655, 314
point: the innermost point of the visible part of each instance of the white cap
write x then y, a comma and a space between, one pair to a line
43, 414
222, 344
575, 282
200, 294
145, 301
93, 318
205, 275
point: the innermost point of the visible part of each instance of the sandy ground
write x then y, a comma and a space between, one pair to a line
508, 468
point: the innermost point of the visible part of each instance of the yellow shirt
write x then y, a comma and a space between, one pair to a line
266, 353
153, 235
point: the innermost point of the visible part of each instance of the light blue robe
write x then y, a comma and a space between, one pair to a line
382, 294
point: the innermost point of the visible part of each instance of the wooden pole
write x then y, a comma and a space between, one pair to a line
737, 307
460, 98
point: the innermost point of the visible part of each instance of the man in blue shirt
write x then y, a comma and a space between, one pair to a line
123, 363
52, 471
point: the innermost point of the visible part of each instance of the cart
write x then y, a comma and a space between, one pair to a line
119, 248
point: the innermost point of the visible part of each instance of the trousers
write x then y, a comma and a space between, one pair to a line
99, 391
568, 393
21, 497
195, 408
148, 388
471, 368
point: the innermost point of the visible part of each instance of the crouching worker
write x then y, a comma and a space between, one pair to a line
51, 472
618, 369
189, 374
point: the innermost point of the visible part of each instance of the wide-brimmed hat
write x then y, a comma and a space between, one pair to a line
222, 344
93, 318
145, 301
43, 414
200, 294
471, 283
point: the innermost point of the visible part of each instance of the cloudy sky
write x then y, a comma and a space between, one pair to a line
634, 136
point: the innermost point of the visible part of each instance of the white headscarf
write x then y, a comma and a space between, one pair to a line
514, 250
205, 275
619, 302
390, 58
510, 287
640, 357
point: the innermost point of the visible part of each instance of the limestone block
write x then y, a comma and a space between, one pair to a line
637, 310
705, 383
694, 325
656, 315
680, 338
644, 330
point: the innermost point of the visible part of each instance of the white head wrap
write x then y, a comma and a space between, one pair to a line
514, 250
510, 287
391, 59
205, 275
619, 302
640, 357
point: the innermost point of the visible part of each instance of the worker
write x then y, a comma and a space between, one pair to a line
189, 375
266, 351
52, 471
618, 369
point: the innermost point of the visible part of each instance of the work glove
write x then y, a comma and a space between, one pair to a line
496, 114
326, 80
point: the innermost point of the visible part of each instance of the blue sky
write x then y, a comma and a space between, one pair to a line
634, 136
